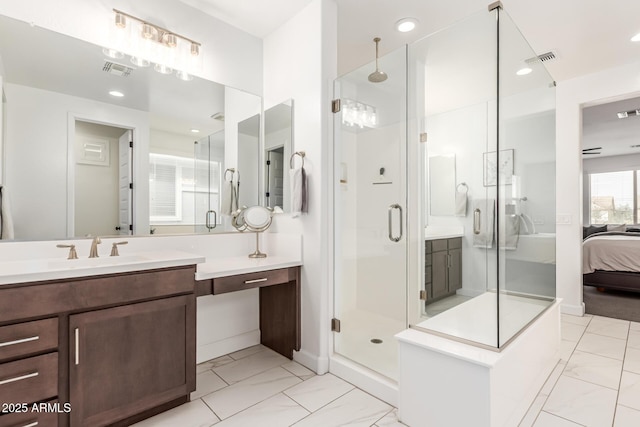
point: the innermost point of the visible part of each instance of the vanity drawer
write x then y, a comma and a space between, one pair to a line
32, 419
241, 282
28, 338
29, 380
439, 245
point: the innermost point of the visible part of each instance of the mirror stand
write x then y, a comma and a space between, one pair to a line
257, 253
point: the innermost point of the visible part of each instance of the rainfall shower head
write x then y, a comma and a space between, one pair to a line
377, 76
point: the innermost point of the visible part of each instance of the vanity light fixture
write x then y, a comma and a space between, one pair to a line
406, 24
116, 93
148, 43
112, 53
636, 38
358, 114
183, 75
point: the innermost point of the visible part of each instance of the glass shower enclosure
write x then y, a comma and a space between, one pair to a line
467, 251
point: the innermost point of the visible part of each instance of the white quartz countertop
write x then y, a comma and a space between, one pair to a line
40, 269
435, 232
221, 267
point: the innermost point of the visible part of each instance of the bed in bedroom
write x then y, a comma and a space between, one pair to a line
611, 260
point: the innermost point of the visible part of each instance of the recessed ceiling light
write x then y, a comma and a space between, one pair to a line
636, 38
406, 24
195, 130
116, 93
524, 70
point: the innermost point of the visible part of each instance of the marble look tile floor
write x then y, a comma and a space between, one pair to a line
597, 381
258, 387
595, 384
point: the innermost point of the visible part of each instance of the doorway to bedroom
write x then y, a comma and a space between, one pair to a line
611, 208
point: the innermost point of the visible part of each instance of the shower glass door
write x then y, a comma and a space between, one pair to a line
370, 199
207, 181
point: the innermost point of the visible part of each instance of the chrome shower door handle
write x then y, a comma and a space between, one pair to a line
390, 224
476, 221
208, 220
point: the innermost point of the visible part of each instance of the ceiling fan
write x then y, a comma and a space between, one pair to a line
591, 150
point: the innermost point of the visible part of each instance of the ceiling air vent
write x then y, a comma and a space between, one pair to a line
218, 116
545, 57
117, 69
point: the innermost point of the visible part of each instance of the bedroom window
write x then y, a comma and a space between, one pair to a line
614, 197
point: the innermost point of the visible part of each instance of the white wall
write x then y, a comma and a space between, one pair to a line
230, 56
39, 167
173, 144
572, 95
300, 63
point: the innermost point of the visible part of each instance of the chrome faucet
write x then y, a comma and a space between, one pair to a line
93, 253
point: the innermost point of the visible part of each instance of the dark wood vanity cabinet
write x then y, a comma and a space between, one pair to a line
280, 326
116, 348
443, 267
128, 359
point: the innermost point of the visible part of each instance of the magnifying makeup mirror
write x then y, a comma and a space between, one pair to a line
256, 219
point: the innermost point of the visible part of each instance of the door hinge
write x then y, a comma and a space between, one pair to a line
267, 194
335, 325
423, 295
335, 105
130, 227
268, 162
423, 137
131, 185
130, 144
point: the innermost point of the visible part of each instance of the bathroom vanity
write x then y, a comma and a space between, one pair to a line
116, 347
278, 280
443, 267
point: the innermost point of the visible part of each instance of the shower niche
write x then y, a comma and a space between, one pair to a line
467, 141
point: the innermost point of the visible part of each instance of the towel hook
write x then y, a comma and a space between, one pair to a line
297, 153
465, 187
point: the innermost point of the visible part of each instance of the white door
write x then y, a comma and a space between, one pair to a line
275, 168
125, 208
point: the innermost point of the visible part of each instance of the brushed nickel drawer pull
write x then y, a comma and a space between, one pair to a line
77, 346
247, 282
4, 344
33, 424
20, 378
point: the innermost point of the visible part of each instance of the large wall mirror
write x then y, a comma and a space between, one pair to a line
278, 147
67, 161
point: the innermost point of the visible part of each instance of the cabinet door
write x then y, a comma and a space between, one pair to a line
128, 359
455, 269
439, 274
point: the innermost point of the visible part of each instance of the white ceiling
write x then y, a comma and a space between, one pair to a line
602, 128
586, 35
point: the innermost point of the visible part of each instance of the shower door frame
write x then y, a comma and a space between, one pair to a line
353, 370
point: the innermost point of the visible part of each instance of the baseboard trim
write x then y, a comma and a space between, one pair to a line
227, 345
575, 310
319, 365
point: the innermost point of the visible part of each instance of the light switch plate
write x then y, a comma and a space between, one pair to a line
563, 219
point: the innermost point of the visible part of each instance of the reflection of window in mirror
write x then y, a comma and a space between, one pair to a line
278, 149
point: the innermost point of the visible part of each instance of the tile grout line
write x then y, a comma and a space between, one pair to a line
624, 356
561, 372
550, 391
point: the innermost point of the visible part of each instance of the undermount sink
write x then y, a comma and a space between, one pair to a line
95, 262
